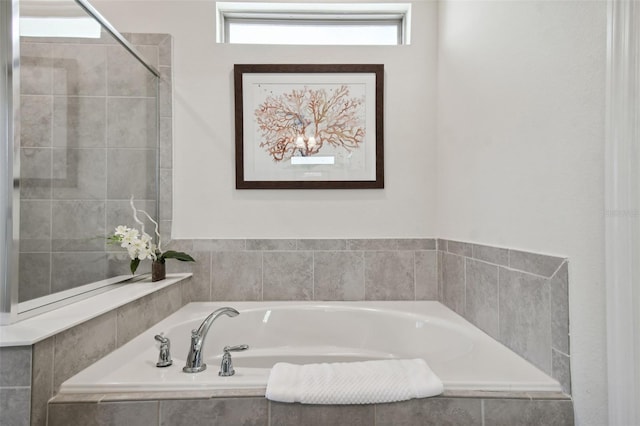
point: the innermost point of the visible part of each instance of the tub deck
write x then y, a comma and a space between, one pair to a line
464, 357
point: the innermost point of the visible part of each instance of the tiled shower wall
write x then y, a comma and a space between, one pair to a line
88, 143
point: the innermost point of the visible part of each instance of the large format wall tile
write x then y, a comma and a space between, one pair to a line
79, 174
389, 275
236, 275
426, 267
14, 406
73, 414
482, 296
127, 172
36, 116
523, 412
79, 122
35, 69
431, 412
35, 275
35, 173
198, 289
35, 226
338, 275
78, 225
205, 412
321, 415
141, 314
453, 290
81, 346
287, 275
71, 269
132, 123
79, 70
525, 320
14, 361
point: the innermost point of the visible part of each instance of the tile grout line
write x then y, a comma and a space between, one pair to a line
499, 337
364, 275
415, 279
313, 275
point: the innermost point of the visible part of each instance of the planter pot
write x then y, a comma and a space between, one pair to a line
158, 271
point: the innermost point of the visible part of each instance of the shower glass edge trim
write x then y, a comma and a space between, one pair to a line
9, 166
111, 30
9, 158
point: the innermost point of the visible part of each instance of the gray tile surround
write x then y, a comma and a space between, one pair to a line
437, 411
61, 356
298, 269
517, 297
86, 107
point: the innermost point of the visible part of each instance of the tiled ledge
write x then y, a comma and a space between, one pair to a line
38, 328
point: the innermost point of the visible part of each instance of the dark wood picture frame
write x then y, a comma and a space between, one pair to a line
315, 72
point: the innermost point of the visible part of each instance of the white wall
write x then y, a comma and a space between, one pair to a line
519, 153
520, 150
206, 203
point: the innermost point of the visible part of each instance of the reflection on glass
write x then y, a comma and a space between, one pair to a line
88, 143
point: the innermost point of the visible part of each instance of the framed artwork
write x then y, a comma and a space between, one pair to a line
309, 126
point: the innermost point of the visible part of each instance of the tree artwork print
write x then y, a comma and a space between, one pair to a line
303, 121
309, 126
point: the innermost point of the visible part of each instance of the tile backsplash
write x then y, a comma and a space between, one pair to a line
310, 269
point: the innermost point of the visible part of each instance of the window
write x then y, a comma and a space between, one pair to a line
313, 23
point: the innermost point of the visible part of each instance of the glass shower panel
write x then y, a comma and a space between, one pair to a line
89, 142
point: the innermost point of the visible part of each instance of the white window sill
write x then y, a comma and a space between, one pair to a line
32, 330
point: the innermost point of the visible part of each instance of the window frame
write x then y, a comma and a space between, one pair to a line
314, 14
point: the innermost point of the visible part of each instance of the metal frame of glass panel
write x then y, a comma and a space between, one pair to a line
9, 134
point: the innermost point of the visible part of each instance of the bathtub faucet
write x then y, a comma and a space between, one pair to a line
194, 359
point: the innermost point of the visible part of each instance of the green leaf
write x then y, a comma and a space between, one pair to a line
134, 265
171, 254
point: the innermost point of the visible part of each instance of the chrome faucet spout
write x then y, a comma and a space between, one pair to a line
194, 362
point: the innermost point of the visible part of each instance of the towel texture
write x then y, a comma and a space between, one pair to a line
366, 382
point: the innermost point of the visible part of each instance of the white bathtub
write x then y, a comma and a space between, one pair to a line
464, 357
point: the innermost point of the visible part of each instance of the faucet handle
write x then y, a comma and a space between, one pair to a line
226, 366
164, 358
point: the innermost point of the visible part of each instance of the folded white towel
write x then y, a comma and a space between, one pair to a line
366, 382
